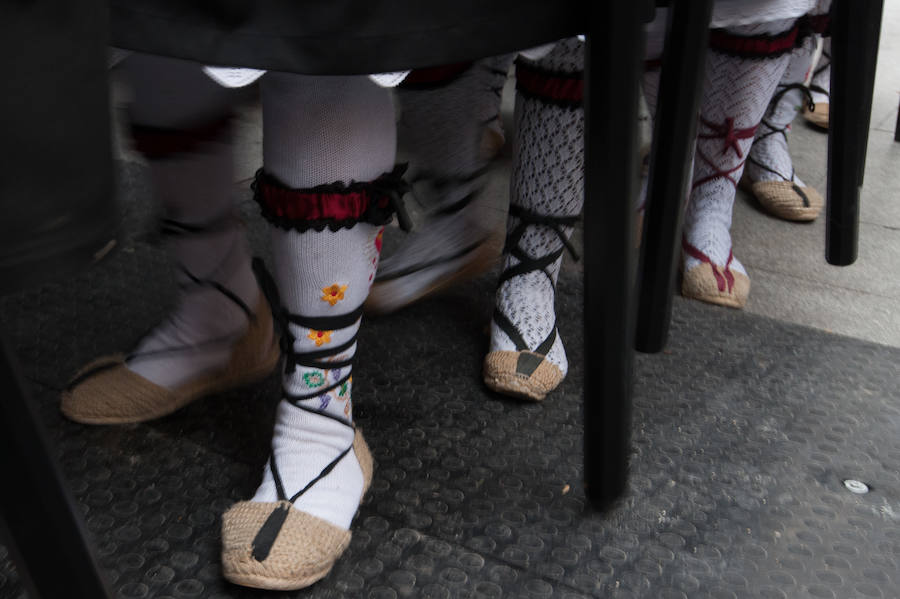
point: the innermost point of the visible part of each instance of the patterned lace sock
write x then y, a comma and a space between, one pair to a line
321, 135
444, 114
770, 159
743, 67
546, 194
180, 123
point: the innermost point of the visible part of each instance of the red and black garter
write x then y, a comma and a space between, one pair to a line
335, 206
157, 142
560, 88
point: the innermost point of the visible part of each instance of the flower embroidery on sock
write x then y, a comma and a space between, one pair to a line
333, 293
344, 388
320, 337
379, 239
324, 400
314, 379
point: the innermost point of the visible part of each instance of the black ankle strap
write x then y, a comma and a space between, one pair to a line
555, 223
773, 130
311, 359
265, 539
529, 264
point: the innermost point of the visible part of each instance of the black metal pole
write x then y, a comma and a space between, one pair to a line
897, 126
855, 28
871, 34
674, 136
40, 515
614, 57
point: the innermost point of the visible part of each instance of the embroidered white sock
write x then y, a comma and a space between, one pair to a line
318, 131
735, 94
770, 158
547, 180
194, 184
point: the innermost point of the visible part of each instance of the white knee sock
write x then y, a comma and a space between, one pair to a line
770, 158
180, 119
321, 131
736, 91
442, 125
547, 181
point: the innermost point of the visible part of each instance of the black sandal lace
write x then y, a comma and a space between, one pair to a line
528, 264
807, 96
173, 228
265, 538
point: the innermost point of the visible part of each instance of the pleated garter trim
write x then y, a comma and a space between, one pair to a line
552, 87
336, 205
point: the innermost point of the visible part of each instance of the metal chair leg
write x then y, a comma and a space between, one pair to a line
855, 29
675, 131
612, 71
39, 513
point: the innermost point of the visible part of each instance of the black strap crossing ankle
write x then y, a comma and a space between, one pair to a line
172, 228
528, 264
268, 533
773, 130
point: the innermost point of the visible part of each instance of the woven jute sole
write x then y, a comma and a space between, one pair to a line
501, 375
304, 550
386, 297
116, 395
700, 283
819, 116
781, 199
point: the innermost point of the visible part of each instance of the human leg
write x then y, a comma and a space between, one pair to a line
526, 356
328, 143
743, 67
219, 334
447, 114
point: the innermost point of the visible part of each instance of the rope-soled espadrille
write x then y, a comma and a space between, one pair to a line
818, 116
524, 374
275, 546
705, 283
107, 392
787, 200
784, 196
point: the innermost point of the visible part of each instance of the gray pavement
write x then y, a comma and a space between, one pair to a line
790, 279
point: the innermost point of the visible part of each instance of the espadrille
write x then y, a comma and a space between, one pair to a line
523, 374
275, 546
818, 116
526, 372
107, 392
716, 285
787, 200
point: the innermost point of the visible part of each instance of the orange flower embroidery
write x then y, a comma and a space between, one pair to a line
333, 293
320, 337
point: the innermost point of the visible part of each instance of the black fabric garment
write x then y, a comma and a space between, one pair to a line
340, 37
